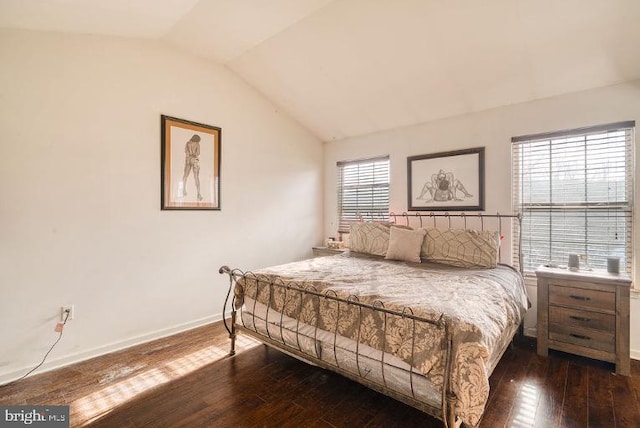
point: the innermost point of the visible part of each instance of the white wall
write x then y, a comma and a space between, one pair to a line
80, 218
493, 130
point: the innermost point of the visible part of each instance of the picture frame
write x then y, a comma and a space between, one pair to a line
447, 181
190, 165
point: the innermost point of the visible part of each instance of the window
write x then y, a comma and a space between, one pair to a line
363, 188
575, 191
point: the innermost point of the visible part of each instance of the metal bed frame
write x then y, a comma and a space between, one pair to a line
447, 410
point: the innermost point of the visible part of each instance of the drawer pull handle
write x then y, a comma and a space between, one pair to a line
579, 336
584, 298
573, 317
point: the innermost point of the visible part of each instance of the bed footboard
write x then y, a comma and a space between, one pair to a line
294, 294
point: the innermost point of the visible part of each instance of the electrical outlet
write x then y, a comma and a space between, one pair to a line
63, 311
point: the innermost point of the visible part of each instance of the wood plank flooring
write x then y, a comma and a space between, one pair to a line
188, 380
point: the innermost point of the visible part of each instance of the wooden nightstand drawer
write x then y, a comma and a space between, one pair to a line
594, 339
584, 319
582, 298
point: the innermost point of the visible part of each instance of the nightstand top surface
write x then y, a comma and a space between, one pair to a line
584, 275
320, 247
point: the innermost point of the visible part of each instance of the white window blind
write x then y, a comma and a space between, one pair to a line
363, 188
575, 191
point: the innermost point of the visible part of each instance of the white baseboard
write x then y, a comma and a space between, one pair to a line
106, 349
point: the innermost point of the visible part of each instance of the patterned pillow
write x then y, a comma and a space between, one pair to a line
461, 247
405, 244
372, 238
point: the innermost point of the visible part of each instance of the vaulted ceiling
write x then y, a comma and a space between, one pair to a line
350, 67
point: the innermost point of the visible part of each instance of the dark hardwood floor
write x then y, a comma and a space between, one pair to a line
188, 380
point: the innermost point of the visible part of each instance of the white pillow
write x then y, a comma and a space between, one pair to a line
405, 244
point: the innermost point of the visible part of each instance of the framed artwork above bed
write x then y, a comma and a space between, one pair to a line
190, 165
446, 181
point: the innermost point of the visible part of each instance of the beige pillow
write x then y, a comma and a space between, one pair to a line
405, 244
461, 247
371, 238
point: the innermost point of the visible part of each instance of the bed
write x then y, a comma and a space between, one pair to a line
427, 331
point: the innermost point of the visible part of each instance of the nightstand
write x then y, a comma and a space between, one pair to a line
326, 251
584, 313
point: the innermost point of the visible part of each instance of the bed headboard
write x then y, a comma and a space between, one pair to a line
508, 225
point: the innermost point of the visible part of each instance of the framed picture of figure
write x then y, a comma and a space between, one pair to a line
447, 181
190, 157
